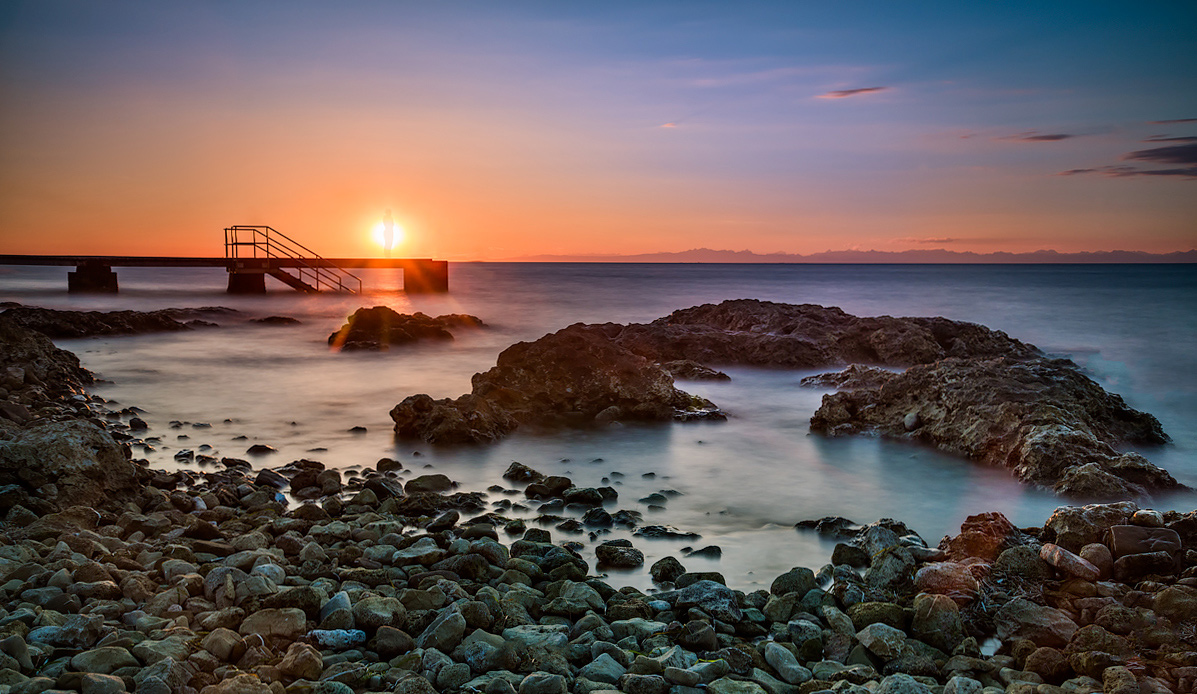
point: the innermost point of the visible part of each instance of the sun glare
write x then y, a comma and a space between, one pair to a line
381, 239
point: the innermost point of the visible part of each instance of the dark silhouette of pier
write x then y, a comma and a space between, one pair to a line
251, 254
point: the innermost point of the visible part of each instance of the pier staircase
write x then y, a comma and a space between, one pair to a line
254, 251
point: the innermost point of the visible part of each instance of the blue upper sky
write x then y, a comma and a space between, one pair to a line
506, 127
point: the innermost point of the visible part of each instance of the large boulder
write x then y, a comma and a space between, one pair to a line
68, 463
1043, 418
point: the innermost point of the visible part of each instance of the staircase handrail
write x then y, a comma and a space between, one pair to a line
327, 273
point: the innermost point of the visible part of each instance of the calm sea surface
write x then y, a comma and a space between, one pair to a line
743, 482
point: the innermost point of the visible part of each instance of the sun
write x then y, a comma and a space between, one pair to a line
381, 239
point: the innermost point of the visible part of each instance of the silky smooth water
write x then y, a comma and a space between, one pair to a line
744, 482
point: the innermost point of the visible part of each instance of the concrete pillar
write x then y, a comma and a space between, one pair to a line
247, 282
92, 277
426, 276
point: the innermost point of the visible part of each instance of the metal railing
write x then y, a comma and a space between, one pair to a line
267, 243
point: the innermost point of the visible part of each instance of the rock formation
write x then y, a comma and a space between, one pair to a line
576, 375
764, 333
380, 327
1043, 418
75, 324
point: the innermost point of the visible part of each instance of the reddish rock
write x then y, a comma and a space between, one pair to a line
947, 578
985, 535
1069, 563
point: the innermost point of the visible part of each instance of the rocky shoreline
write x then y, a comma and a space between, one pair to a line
118, 578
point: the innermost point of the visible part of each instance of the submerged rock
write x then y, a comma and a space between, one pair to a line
380, 327
1041, 417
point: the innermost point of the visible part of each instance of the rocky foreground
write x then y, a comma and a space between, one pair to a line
968, 390
212, 583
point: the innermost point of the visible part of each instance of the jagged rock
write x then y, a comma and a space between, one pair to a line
380, 327
1044, 419
855, 377
692, 371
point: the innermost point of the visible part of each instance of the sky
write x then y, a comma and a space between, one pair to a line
495, 130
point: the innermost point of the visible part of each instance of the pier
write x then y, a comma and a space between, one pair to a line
251, 254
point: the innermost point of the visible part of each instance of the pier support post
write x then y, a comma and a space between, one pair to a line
92, 277
426, 276
247, 282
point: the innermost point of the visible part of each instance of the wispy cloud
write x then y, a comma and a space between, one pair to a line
1033, 136
1176, 154
1130, 171
1184, 155
669, 125
1174, 120
1162, 138
946, 240
845, 93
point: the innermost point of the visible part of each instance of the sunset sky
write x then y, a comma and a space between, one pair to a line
499, 129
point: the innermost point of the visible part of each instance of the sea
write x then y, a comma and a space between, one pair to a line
741, 485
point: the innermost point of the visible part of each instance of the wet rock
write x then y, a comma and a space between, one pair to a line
618, 554
666, 570
379, 328
799, 580
714, 598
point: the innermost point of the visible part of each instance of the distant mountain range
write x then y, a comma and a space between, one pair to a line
707, 255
